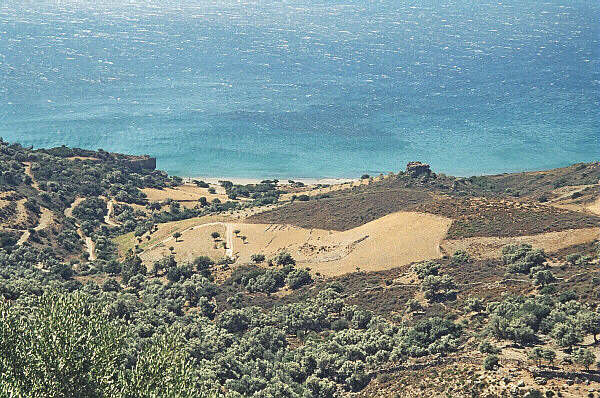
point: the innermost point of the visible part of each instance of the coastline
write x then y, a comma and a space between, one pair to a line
245, 181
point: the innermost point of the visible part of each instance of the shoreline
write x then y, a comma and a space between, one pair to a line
245, 181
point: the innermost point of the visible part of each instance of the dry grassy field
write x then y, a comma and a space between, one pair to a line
187, 194
391, 241
491, 247
195, 241
164, 231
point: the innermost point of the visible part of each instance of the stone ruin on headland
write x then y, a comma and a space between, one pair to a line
140, 162
417, 169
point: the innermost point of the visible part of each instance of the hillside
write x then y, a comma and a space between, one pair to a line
479, 206
119, 280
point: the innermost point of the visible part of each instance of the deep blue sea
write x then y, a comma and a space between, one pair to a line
306, 88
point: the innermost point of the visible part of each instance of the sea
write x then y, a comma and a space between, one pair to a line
306, 88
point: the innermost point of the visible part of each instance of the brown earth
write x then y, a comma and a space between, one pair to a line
491, 247
472, 216
391, 241
189, 193
346, 211
195, 241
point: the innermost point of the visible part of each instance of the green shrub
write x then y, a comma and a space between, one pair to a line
297, 278
111, 285
425, 269
522, 258
578, 259
203, 265
284, 258
474, 304
585, 357
533, 393
439, 288
491, 362
488, 348
67, 346
460, 257
414, 305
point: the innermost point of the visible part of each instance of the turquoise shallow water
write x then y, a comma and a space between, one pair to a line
306, 88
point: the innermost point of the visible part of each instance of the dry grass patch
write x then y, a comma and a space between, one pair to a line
391, 241
594, 207
504, 218
491, 247
184, 193
344, 212
194, 241
165, 230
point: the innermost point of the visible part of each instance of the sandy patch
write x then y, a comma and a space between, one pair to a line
388, 242
164, 232
595, 207
185, 193
194, 242
45, 219
83, 158
391, 241
492, 247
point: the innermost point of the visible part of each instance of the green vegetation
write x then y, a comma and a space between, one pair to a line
120, 327
522, 258
256, 279
261, 194
491, 362
140, 329
94, 355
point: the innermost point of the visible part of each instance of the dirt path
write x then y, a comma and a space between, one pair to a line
45, 217
24, 238
29, 173
91, 247
69, 210
229, 240
89, 243
107, 218
45, 220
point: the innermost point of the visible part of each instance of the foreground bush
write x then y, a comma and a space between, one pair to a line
63, 345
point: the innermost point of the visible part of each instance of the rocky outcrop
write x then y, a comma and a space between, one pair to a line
416, 169
141, 162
